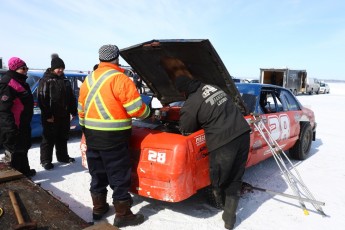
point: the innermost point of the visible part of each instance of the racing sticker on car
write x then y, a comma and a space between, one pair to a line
279, 126
156, 156
200, 139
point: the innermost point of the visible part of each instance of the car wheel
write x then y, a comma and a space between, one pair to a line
212, 199
300, 150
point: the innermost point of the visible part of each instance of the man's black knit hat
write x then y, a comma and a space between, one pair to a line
57, 62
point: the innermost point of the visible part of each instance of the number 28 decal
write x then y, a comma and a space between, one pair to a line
159, 157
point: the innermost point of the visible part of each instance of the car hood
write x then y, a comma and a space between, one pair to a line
198, 55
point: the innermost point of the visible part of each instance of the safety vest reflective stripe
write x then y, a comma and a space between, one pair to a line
89, 79
133, 106
146, 113
108, 125
102, 110
80, 110
81, 121
95, 87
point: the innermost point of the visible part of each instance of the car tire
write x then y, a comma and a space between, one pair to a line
211, 199
300, 150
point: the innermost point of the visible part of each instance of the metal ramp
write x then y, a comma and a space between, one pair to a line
291, 176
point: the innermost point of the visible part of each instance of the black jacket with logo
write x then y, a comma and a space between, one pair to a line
210, 108
56, 97
16, 110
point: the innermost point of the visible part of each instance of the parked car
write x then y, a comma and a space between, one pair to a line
171, 167
236, 79
2, 72
33, 80
251, 81
313, 86
324, 88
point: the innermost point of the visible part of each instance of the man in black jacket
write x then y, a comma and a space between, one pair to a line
57, 102
16, 110
226, 131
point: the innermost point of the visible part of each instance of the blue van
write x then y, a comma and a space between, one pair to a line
76, 79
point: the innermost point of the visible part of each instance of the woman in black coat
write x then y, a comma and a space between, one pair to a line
16, 110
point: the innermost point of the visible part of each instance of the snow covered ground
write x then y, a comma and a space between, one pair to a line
323, 173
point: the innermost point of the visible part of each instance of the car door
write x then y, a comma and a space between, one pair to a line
278, 111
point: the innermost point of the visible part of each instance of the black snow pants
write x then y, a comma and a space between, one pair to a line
110, 167
227, 165
22, 145
55, 134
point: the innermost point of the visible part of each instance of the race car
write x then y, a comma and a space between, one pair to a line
170, 166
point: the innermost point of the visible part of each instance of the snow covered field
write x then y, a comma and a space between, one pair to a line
323, 173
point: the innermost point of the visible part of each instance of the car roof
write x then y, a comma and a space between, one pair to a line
257, 87
40, 73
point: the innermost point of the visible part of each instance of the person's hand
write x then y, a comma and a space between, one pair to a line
51, 120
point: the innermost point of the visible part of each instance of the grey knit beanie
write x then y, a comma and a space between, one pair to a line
108, 53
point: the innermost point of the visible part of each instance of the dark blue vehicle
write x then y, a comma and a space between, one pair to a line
33, 80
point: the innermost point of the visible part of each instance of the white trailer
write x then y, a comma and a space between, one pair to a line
295, 80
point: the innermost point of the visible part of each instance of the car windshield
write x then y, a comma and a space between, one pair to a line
322, 84
249, 94
248, 89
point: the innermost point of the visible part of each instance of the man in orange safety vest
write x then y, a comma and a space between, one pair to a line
108, 101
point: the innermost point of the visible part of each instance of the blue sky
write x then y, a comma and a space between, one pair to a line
247, 34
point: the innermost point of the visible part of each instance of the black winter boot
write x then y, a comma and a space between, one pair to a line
20, 162
219, 197
124, 216
100, 205
229, 214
